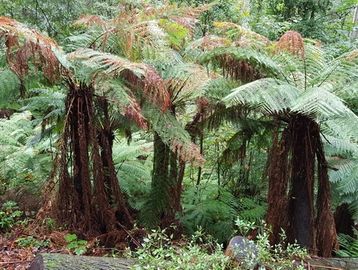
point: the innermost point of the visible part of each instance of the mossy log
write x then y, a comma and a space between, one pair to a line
55, 261
333, 263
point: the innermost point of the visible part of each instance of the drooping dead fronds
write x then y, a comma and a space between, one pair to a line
138, 76
292, 42
24, 44
134, 112
187, 152
239, 70
326, 235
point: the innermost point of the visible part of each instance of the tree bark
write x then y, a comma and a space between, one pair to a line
344, 220
277, 213
302, 181
88, 188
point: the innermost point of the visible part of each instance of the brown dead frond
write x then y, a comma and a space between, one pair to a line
134, 112
138, 76
188, 152
24, 45
208, 43
237, 69
352, 56
292, 42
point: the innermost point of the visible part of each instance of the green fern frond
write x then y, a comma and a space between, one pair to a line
186, 82
220, 87
348, 246
336, 146
21, 162
268, 95
9, 87
252, 210
133, 165
212, 210
174, 135
321, 102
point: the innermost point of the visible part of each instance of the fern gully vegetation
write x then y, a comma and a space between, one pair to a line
188, 118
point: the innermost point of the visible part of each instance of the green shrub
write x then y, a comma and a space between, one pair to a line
76, 245
31, 241
10, 215
159, 252
279, 257
348, 245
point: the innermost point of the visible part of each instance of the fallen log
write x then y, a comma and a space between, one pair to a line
55, 261
332, 263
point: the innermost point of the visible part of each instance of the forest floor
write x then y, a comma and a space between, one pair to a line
20, 246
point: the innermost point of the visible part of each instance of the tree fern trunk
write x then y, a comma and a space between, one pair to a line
113, 191
160, 184
302, 178
344, 220
302, 139
277, 213
86, 166
166, 183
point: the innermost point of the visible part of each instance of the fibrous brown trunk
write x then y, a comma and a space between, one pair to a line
112, 188
166, 183
85, 201
293, 157
278, 186
303, 139
160, 184
344, 220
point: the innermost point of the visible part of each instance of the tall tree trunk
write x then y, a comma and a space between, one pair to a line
166, 183
277, 213
344, 220
168, 174
302, 178
302, 139
160, 185
85, 167
113, 190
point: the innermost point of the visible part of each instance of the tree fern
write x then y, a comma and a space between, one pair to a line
137, 75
